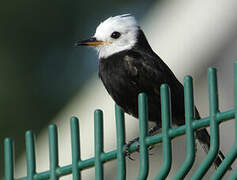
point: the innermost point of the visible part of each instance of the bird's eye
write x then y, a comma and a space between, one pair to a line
115, 35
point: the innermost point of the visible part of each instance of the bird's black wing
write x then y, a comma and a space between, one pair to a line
149, 72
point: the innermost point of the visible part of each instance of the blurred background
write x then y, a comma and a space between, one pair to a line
45, 79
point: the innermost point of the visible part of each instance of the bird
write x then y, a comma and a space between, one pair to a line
128, 66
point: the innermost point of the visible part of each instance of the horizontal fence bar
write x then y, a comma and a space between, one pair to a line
221, 117
107, 156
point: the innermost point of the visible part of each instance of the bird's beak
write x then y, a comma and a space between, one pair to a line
90, 42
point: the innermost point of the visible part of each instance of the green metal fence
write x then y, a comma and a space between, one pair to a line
101, 157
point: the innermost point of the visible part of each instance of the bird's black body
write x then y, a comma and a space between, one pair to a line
130, 72
128, 66
127, 73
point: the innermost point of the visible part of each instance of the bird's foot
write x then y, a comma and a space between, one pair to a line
151, 132
126, 148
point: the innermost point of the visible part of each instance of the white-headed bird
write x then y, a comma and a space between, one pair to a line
129, 66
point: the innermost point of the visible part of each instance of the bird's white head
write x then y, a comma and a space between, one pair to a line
113, 35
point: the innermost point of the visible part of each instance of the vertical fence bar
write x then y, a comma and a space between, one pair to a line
214, 127
75, 145
30, 155
190, 141
53, 151
8, 159
143, 118
120, 132
166, 140
99, 144
231, 156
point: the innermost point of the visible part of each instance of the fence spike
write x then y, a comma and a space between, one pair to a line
100, 157
120, 132
166, 139
8, 159
214, 127
190, 141
30, 155
231, 156
53, 151
143, 118
99, 144
75, 146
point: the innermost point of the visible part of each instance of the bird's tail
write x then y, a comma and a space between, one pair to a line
204, 139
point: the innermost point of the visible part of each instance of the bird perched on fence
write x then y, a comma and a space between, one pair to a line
129, 66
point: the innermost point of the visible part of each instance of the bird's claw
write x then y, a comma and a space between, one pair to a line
126, 147
127, 152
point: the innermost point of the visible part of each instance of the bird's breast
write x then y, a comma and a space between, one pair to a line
118, 77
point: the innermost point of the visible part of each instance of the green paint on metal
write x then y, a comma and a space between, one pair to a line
214, 128
53, 151
30, 155
8, 159
100, 157
231, 156
190, 141
120, 133
143, 118
166, 140
99, 144
75, 144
